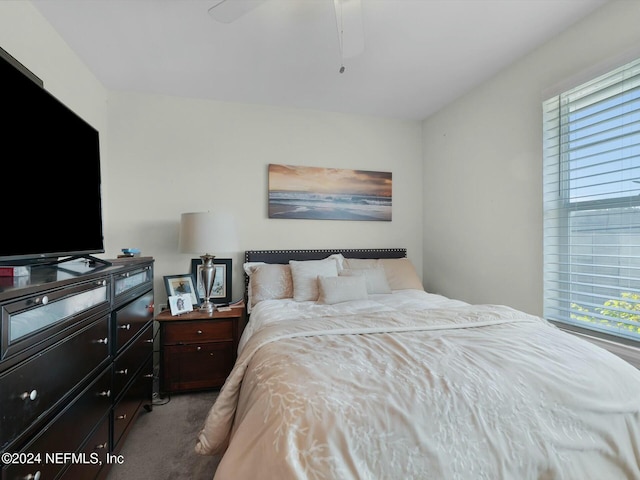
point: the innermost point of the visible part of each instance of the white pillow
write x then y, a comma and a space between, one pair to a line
305, 276
268, 281
248, 269
376, 278
360, 263
338, 258
341, 289
401, 274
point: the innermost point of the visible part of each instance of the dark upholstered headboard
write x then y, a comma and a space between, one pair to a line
283, 256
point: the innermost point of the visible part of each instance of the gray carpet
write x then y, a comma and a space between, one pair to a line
160, 445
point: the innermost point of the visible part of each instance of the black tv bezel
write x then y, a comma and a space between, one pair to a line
55, 257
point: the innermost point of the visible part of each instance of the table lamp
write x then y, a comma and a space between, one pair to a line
207, 232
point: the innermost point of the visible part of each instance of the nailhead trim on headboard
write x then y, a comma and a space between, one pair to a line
283, 256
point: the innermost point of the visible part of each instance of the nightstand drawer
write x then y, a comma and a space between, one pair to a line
197, 366
198, 331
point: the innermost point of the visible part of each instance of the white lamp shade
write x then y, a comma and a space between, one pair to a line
207, 232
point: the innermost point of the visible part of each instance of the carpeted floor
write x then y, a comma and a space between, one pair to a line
160, 445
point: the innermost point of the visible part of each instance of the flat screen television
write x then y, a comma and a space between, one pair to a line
51, 184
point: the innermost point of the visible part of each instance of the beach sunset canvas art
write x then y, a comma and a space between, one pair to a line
329, 193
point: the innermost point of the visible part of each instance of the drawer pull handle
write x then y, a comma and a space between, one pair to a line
199, 332
199, 348
105, 393
121, 417
124, 371
44, 300
149, 375
32, 395
101, 446
104, 340
34, 476
149, 340
124, 327
101, 283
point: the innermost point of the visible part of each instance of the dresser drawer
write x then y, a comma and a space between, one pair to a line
35, 320
130, 283
34, 387
127, 364
198, 331
67, 432
197, 366
130, 319
125, 410
97, 446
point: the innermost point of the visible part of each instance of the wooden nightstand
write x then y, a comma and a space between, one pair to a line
198, 349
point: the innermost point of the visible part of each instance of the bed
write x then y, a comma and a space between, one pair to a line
348, 369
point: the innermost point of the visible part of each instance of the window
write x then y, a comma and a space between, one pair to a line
592, 204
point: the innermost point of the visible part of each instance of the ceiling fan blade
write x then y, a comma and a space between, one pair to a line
350, 29
227, 11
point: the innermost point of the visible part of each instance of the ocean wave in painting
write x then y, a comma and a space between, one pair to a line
328, 206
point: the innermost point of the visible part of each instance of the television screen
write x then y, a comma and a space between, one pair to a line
51, 184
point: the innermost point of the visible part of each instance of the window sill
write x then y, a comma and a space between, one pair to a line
627, 349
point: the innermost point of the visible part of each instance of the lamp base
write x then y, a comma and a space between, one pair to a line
208, 275
208, 306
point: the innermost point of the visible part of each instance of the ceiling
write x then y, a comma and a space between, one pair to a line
418, 55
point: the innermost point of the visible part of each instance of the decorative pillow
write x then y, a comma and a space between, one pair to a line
375, 278
249, 267
338, 258
341, 289
304, 274
268, 281
360, 263
401, 274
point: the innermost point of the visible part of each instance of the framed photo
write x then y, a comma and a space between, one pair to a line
180, 304
221, 292
184, 284
307, 192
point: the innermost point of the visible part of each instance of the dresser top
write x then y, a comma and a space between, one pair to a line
47, 276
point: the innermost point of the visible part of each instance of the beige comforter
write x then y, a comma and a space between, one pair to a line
423, 392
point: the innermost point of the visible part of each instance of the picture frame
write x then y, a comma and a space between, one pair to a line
221, 292
180, 304
321, 193
184, 283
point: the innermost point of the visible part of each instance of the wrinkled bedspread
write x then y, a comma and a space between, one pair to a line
431, 390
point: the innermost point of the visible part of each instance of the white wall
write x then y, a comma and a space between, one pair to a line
483, 166
162, 156
171, 155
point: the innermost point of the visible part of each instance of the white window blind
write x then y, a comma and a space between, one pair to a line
592, 204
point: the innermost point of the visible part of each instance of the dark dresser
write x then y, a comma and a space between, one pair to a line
75, 366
